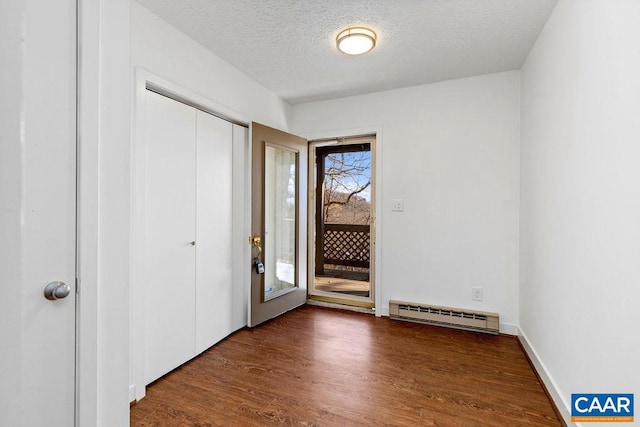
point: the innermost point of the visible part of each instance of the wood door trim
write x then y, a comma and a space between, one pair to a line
343, 301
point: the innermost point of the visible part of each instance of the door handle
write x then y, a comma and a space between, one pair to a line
256, 243
56, 290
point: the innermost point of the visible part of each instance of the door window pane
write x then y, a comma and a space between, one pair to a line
280, 221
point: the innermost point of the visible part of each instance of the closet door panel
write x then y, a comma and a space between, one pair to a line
213, 230
241, 220
170, 202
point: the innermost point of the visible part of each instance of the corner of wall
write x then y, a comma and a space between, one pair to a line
546, 378
509, 328
382, 311
287, 113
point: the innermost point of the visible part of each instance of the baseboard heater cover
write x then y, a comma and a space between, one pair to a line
480, 321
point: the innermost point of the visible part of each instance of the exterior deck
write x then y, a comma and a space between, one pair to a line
344, 282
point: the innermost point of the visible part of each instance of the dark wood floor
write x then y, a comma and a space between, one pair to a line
322, 367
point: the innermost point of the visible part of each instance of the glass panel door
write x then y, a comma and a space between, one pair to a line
280, 225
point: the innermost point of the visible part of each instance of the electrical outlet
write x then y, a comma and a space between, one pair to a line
476, 293
397, 205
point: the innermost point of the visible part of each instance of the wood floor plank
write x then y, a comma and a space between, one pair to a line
322, 367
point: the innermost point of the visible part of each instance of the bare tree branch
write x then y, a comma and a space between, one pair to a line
345, 176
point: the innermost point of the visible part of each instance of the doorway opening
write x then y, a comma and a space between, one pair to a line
341, 221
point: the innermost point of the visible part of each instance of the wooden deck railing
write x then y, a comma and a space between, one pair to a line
344, 244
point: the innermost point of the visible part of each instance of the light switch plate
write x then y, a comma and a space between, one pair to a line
397, 205
476, 293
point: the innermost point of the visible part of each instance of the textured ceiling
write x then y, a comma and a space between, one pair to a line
289, 45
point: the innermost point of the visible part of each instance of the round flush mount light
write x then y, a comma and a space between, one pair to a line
356, 40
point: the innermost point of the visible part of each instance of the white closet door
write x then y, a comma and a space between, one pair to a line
241, 220
213, 230
170, 204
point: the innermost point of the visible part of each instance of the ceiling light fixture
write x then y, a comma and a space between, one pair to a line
356, 41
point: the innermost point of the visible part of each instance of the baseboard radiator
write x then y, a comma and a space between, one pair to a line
480, 321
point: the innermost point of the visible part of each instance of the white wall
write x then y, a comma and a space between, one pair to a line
451, 151
163, 50
580, 204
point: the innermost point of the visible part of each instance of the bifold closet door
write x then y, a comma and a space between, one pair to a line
213, 230
170, 234
190, 301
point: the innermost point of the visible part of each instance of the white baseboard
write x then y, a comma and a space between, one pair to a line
509, 329
548, 381
132, 393
382, 311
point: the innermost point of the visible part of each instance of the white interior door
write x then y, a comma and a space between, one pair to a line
37, 212
170, 234
213, 230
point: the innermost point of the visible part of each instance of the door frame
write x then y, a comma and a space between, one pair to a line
103, 138
326, 296
241, 200
376, 177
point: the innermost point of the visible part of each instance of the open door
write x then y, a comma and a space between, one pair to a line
279, 223
342, 221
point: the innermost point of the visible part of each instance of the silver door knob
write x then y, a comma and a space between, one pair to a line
56, 290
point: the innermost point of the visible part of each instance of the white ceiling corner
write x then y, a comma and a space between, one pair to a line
289, 45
